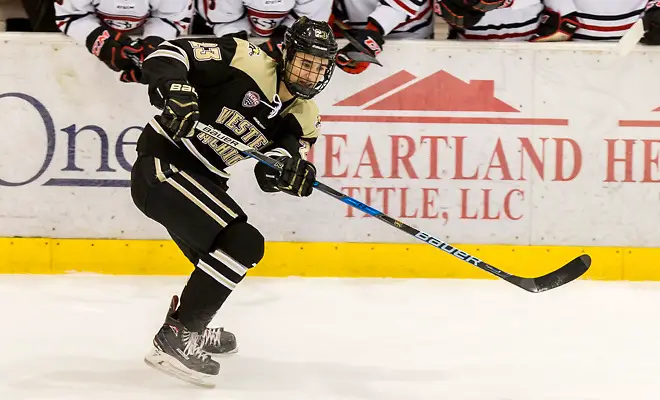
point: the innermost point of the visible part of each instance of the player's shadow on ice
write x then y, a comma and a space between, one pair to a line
238, 374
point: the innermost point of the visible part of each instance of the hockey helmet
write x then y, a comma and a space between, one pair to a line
309, 51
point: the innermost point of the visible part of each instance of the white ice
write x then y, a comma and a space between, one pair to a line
83, 337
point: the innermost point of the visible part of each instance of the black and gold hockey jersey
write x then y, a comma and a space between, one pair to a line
237, 86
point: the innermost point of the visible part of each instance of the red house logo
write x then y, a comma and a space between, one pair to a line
641, 123
439, 92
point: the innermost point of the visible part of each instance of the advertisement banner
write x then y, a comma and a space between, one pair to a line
499, 144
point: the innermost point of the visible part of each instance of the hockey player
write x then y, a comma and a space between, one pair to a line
179, 178
108, 27
370, 21
260, 18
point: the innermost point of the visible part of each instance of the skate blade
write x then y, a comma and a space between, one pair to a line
171, 366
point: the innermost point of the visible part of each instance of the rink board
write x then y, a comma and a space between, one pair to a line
526, 153
380, 260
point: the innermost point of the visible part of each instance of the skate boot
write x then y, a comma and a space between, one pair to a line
180, 353
218, 341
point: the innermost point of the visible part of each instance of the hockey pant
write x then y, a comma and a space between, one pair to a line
208, 226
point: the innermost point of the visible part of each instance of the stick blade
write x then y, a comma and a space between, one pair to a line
569, 272
362, 57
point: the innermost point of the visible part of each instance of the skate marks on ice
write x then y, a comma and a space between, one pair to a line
84, 337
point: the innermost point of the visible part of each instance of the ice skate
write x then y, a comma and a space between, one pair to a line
219, 342
180, 353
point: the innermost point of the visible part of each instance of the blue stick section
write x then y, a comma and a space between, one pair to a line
352, 202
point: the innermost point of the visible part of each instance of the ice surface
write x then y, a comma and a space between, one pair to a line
84, 337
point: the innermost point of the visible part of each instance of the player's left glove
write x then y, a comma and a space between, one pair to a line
370, 38
555, 27
651, 22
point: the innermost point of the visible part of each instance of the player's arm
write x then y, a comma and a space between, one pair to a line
169, 19
295, 137
391, 13
225, 17
77, 18
173, 70
558, 22
318, 10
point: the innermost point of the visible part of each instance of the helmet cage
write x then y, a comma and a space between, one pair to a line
317, 73
305, 39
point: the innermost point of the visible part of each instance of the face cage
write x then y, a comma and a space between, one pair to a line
300, 89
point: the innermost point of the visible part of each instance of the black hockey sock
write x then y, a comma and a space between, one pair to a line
200, 301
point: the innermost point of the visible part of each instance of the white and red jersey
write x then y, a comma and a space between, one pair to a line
516, 20
398, 18
163, 18
602, 20
259, 17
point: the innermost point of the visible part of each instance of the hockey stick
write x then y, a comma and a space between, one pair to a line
565, 274
630, 39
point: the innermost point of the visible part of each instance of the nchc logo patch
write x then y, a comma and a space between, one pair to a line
251, 99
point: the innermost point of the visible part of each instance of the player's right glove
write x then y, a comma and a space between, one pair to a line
297, 177
178, 100
465, 13
107, 44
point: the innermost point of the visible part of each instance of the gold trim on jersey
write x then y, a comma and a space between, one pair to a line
260, 67
307, 114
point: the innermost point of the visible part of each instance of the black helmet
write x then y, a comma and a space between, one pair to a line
308, 74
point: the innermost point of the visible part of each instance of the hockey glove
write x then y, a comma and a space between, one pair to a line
137, 52
371, 39
273, 47
651, 22
297, 177
106, 44
180, 109
555, 28
465, 13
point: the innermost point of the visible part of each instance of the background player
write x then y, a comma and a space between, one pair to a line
105, 27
